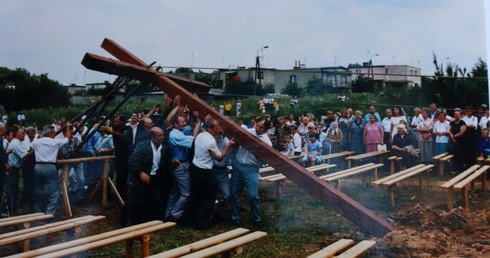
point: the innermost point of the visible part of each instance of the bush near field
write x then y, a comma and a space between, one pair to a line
315, 105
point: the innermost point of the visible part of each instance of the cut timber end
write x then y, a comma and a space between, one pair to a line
343, 204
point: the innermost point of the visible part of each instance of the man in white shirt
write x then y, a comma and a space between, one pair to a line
386, 124
45, 172
199, 208
246, 174
484, 120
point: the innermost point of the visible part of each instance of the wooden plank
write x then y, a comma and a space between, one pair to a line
310, 169
26, 220
264, 178
321, 165
437, 157
459, 177
46, 231
471, 177
107, 241
199, 245
27, 230
358, 249
226, 246
446, 158
340, 202
346, 171
78, 160
332, 249
407, 175
336, 155
85, 240
21, 217
366, 155
405, 171
355, 172
266, 169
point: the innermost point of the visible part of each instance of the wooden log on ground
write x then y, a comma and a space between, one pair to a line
111, 240
26, 220
28, 230
358, 249
199, 245
332, 249
340, 202
227, 246
22, 217
49, 230
85, 240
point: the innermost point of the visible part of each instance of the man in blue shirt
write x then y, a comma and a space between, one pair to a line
179, 144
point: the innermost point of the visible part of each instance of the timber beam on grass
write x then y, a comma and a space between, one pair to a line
132, 67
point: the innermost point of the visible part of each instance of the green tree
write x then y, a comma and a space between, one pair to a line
21, 90
293, 89
317, 87
248, 87
269, 88
208, 78
363, 84
184, 70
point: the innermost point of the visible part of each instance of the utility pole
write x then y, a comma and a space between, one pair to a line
257, 68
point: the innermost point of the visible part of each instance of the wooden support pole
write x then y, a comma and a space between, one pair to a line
465, 197
145, 245
64, 191
94, 191
114, 190
450, 198
391, 194
441, 168
484, 182
392, 166
129, 248
105, 176
136, 69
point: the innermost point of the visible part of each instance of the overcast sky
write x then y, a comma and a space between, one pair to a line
52, 36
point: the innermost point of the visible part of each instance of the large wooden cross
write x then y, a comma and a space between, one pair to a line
132, 67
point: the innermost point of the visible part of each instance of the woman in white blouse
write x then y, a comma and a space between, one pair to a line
395, 120
441, 130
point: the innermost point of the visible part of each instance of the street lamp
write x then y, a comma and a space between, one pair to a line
257, 66
371, 65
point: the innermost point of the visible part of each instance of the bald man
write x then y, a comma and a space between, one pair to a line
148, 181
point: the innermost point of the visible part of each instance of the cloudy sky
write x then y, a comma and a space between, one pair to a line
52, 36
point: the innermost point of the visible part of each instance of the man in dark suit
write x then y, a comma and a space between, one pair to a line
139, 133
148, 181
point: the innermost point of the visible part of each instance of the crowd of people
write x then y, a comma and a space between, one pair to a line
173, 165
416, 137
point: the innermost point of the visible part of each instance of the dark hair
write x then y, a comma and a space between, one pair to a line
267, 121
313, 135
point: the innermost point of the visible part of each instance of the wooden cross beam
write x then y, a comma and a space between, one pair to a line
132, 67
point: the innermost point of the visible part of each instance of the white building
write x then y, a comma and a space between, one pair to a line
389, 74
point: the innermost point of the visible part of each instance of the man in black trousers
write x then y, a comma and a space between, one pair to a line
148, 181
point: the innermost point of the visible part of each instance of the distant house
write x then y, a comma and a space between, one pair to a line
402, 75
75, 89
338, 76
